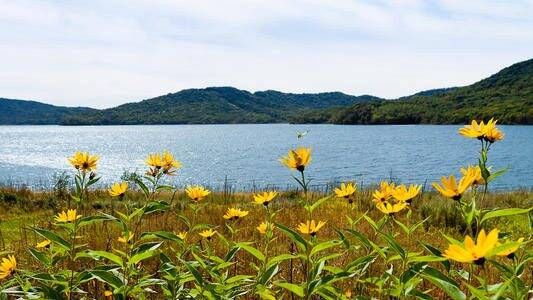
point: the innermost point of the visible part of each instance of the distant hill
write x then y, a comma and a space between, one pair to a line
506, 95
21, 112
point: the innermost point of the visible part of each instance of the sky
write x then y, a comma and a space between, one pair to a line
104, 53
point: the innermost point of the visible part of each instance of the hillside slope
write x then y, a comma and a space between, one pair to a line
22, 112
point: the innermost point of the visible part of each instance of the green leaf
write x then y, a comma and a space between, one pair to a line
319, 202
269, 273
101, 254
294, 288
253, 251
142, 256
446, 284
394, 245
323, 246
40, 256
107, 277
294, 236
84, 221
169, 236
504, 213
197, 276
56, 239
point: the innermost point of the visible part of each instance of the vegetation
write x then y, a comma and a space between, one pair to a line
154, 241
507, 95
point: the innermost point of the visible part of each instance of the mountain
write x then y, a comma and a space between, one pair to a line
506, 96
215, 105
18, 112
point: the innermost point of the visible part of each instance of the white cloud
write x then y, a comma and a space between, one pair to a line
103, 53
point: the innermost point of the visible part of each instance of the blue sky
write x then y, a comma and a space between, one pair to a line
104, 53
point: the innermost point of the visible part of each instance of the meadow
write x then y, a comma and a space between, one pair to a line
145, 239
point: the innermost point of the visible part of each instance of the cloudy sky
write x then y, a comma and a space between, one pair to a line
104, 53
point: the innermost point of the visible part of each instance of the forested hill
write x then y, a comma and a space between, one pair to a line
23, 112
506, 95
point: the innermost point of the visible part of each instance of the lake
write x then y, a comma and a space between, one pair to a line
247, 155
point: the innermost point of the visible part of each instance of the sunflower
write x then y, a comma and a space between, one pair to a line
265, 198
390, 209
154, 160
263, 227
182, 235
235, 214
450, 189
84, 161
207, 234
126, 239
475, 173
297, 159
493, 134
384, 193
470, 252
118, 189
170, 164
475, 130
43, 244
197, 192
8, 266
406, 194
311, 227
345, 191
67, 217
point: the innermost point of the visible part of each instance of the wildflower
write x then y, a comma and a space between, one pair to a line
197, 192
390, 209
345, 191
475, 173
170, 165
235, 214
297, 159
154, 160
509, 252
43, 244
126, 239
83, 161
263, 227
493, 134
384, 193
450, 189
404, 194
118, 189
182, 235
108, 294
475, 130
208, 234
471, 252
310, 228
67, 217
8, 266
265, 198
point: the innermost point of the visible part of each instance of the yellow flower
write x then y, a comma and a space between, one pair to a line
509, 252
207, 234
404, 194
43, 244
68, 216
8, 266
345, 190
310, 228
297, 159
450, 189
83, 161
475, 130
235, 213
154, 160
182, 235
384, 193
118, 189
265, 198
263, 227
473, 172
493, 134
125, 239
473, 252
170, 165
390, 209
197, 192
108, 294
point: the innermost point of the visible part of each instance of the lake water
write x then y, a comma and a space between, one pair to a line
248, 154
